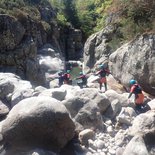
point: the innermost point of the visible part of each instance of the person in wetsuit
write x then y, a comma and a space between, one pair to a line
83, 79
139, 97
103, 72
60, 78
67, 77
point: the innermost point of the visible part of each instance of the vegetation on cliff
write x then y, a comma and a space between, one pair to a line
23, 10
131, 17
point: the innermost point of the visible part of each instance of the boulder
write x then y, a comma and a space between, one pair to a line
152, 104
38, 90
74, 105
136, 146
113, 110
57, 93
143, 124
86, 105
99, 99
6, 87
38, 122
4, 109
136, 60
122, 98
14, 89
126, 116
71, 90
20, 94
85, 135
89, 116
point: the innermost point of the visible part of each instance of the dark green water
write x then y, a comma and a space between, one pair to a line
75, 72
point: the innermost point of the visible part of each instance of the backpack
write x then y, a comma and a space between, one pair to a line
138, 89
103, 73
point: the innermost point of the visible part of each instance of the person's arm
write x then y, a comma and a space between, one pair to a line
130, 94
80, 77
131, 91
97, 73
107, 71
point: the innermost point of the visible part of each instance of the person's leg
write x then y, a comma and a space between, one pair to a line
105, 85
100, 83
138, 109
139, 102
100, 86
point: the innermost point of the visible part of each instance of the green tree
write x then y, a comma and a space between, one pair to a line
71, 12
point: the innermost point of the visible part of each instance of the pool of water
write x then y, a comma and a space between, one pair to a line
75, 73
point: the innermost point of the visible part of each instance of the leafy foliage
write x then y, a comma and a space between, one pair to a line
135, 16
132, 16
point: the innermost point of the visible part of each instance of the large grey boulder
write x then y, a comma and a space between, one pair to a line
143, 124
71, 90
136, 146
117, 102
14, 89
20, 94
85, 106
136, 60
74, 105
38, 122
57, 93
126, 116
122, 98
100, 99
89, 116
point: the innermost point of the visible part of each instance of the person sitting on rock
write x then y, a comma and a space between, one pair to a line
83, 79
67, 77
139, 97
103, 72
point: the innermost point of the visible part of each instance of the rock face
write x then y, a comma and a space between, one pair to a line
96, 49
24, 40
18, 47
73, 46
10, 28
136, 60
38, 122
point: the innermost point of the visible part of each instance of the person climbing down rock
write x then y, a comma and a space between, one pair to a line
83, 78
139, 97
103, 72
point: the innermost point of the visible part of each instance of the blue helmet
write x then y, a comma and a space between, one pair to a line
80, 73
68, 71
60, 72
101, 66
132, 82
